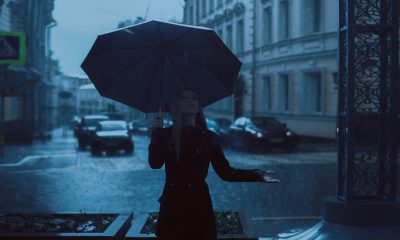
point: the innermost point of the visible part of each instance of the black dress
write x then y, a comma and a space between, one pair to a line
186, 210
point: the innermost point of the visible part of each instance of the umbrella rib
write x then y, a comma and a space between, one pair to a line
135, 34
139, 61
176, 69
201, 65
123, 49
151, 85
179, 37
189, 47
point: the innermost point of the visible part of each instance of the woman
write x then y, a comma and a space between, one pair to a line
187, 149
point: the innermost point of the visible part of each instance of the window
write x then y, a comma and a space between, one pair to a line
203, 7
11, 108
197, 18
335, 80
219, 32
312, 16
267, 25
211, 6
191, 15
267, 94
283, 20
229, 36
240, 36
312, 93
284, 92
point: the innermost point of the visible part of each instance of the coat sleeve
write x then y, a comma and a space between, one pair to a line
156, 149
224, 170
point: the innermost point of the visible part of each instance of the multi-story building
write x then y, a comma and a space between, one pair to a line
25, 110
289, 53
90, 102
65, 97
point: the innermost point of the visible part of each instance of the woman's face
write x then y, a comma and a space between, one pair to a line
189, 103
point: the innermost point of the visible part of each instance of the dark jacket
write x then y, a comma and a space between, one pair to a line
185, 205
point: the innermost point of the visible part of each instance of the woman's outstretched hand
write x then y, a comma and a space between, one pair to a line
266, 176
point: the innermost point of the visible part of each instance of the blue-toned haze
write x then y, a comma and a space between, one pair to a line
80, 21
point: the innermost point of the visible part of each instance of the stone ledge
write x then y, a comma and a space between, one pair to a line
369, 214
140, 220
116, 230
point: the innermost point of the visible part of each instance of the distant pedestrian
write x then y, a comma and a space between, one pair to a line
187, 148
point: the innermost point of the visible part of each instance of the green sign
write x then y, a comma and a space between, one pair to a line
12, 48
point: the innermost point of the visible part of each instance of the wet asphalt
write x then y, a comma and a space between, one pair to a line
63, 179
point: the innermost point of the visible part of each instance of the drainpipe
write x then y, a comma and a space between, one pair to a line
253, 57
48, 82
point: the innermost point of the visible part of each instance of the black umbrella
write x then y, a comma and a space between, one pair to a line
145, 65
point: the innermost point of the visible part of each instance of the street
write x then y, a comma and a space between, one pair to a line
74, 181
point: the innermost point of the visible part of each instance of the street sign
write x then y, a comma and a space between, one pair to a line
12, 48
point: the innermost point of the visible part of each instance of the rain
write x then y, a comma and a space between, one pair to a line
85, 85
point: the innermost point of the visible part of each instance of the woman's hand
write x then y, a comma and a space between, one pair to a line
265, 176
157, 122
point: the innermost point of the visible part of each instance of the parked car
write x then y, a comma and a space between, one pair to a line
141, 127
167, 122
262, 132
224, 123
113, 115
214, 126
112, 135
74, 124
86, 128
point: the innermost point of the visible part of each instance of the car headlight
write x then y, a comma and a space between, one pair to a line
259, 135
289, 133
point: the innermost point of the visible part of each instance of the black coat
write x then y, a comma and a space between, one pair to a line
185, 204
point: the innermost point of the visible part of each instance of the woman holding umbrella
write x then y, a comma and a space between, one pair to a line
187, 149
144, 66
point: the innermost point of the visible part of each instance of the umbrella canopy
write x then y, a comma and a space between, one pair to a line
145, 65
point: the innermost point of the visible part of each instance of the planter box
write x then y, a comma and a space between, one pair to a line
46, 226
138, 230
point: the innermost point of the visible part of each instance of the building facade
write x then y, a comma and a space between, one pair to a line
65, 98
26, 88
289, 53
89, 102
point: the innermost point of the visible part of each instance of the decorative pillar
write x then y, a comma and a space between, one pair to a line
367, 133
367, 118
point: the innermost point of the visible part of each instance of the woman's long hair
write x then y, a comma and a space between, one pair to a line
176, 117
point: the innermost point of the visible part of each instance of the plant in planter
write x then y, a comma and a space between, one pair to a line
57, 226
230, 224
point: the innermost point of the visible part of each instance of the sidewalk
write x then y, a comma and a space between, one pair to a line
60, 144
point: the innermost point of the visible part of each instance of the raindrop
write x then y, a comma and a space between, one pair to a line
129, 31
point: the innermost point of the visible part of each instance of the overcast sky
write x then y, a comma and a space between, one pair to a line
80, 21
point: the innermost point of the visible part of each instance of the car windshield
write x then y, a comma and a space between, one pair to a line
266, 122
223, 122
211, 123
93, 121
113, 126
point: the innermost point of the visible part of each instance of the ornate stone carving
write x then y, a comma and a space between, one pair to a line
218, 19
239, 8
228, 14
